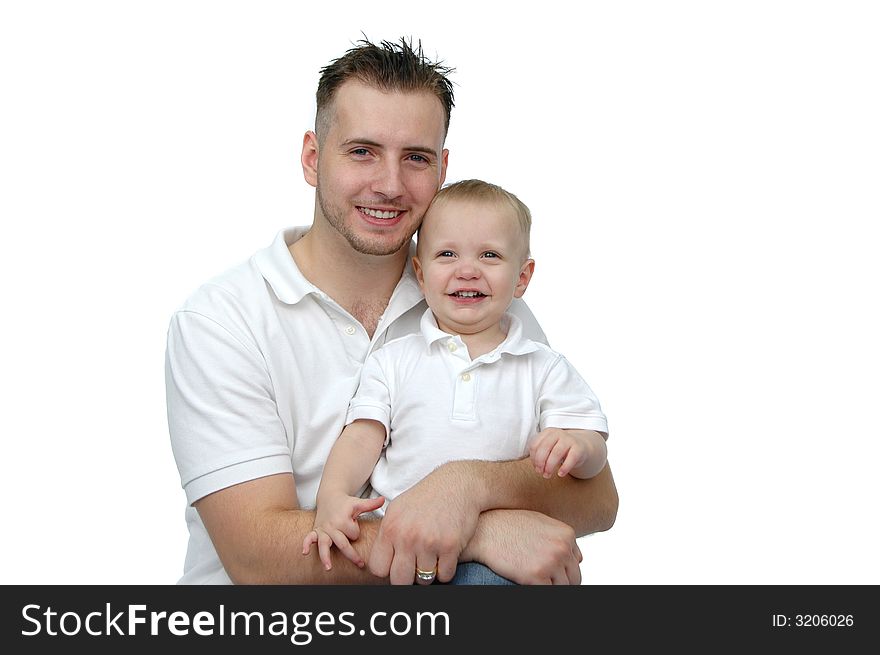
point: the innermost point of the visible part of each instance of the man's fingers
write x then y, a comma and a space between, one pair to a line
572, 567
426, 568
573, 572
446, 567
380, 557
403, 568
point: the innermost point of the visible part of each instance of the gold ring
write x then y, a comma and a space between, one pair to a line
426, 576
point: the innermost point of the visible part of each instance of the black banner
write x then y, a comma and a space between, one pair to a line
102, 619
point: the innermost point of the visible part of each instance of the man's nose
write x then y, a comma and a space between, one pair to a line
389, 179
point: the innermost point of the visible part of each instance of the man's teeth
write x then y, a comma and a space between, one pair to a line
379, 214
467, 294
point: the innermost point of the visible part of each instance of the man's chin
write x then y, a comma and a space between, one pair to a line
378, 247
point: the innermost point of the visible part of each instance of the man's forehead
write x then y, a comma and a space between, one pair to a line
362, 111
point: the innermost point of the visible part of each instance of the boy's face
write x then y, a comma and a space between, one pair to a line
471, 263
378, 166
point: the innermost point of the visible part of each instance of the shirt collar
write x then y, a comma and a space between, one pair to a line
515, 343
280, 271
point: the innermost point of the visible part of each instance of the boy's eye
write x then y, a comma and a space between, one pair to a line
490, 254
446, 253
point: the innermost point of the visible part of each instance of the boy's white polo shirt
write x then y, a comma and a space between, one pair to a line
438, 405
260, 367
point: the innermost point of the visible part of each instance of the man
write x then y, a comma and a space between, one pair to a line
261, 363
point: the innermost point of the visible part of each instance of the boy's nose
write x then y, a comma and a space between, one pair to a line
467, 271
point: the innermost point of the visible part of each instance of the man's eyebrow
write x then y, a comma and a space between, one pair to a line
368, 142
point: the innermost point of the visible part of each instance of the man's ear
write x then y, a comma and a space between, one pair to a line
444, 162
525, 276
309, 158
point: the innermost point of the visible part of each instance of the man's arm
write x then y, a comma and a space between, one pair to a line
439, 516
257, 529
526, 547
588, 505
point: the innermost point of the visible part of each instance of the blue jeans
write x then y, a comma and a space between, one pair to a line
474, 573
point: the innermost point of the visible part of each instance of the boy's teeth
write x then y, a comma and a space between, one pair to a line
379, 214
467, 294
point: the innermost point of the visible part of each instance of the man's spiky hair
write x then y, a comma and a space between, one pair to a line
387, 66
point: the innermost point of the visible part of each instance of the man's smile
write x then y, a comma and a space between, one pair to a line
379, 213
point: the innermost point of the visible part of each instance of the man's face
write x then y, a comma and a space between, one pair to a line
471, 264
379, 165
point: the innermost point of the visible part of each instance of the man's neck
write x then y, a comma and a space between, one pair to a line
361, 284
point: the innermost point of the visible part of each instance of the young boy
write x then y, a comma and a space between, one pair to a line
469, 386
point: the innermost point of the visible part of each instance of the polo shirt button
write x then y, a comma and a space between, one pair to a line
452, 347
350, 330
466, 377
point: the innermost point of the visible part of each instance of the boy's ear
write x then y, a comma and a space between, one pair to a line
525, 276
420, 275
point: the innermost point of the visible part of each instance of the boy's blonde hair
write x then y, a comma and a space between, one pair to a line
481, 191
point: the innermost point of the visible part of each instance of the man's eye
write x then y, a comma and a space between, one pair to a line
420, 159
360, 152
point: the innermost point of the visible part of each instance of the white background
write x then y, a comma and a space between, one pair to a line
704, 181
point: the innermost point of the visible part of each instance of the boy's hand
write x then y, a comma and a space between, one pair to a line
336, 523
555, 448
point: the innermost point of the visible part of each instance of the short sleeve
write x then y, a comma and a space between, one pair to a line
373, 397
566, 400
222, 414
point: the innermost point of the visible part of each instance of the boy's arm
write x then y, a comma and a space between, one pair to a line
348, 467
352, 458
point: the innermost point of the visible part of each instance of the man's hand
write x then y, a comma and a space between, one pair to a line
526, 547
427, 526
336, 523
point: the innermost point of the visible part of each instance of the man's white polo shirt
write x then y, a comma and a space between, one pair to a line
438, 405
260, 367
